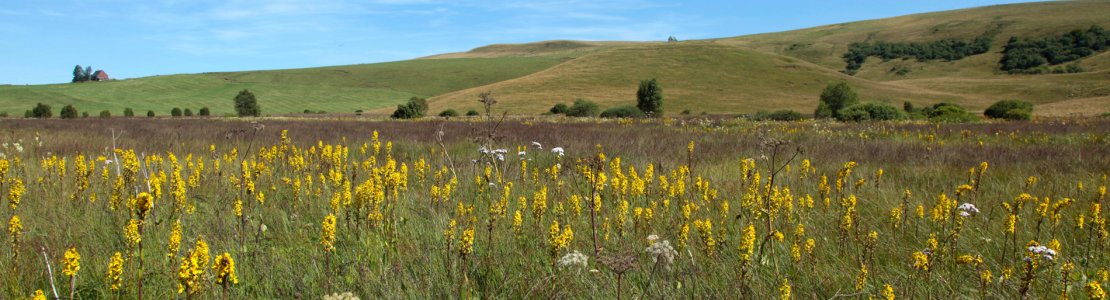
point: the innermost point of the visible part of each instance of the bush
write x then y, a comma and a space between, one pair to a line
1000, 110
68, 112
627, 111
779, 115
686, 112
583, 108
3, 114
84, 114
448, 113
471, 113
948, 113
415, 108
870, 111
188, 112
105, 114
1018, 114
559, 109
308, 111
175, 112
42, 111
204, 112
28, 114
150, 113
127, 112
247, 105
835, 97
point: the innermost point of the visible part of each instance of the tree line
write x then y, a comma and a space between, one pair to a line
946, 49
1022, 55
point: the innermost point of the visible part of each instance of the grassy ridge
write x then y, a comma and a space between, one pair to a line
695, 75
334, 89
784, 70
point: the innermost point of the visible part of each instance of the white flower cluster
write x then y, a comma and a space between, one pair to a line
537, 145
1048, 253
661, 249
14, 146
967, 210
498, 153
557, 150
573, 259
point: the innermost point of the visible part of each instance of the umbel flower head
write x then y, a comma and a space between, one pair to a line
574, 259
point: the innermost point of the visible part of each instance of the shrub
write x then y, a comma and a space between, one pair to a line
358, 112
779, 115
175, 112
3, 114
835, 97
28, 114
448, 113
105, 114
1018, 114
204, 112
150, 113
471, 113
583, 108
948, 113
308, 111
68, 112
1000, 109
84, 114
559, 109
415, 108
42, 111
626, 111
127, 112
188, 112
686, 112
870, 111
247, 105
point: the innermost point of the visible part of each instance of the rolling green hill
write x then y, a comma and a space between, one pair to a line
784, 70
333, 89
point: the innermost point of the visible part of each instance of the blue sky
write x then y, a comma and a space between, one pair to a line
41, 40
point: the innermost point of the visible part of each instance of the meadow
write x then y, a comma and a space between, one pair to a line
549, 207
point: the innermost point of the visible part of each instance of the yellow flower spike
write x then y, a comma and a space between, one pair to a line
888, 292
39, 295
327, 233
1094, 290
72, 262
224, 268
115, 272
784, 289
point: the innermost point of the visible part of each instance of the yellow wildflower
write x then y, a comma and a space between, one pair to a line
72, 262
115, 271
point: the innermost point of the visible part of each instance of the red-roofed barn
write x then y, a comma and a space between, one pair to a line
100, 75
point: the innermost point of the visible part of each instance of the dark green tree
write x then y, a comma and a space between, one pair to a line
42, 111
127, 112
415, 108
150, 113
471, 113
188, 112
79, 74
204, 112
835, 97
105, 114
175, 112
68, 112
649, 98
246, 105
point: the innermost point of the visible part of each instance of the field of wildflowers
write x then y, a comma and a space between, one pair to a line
549, 208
